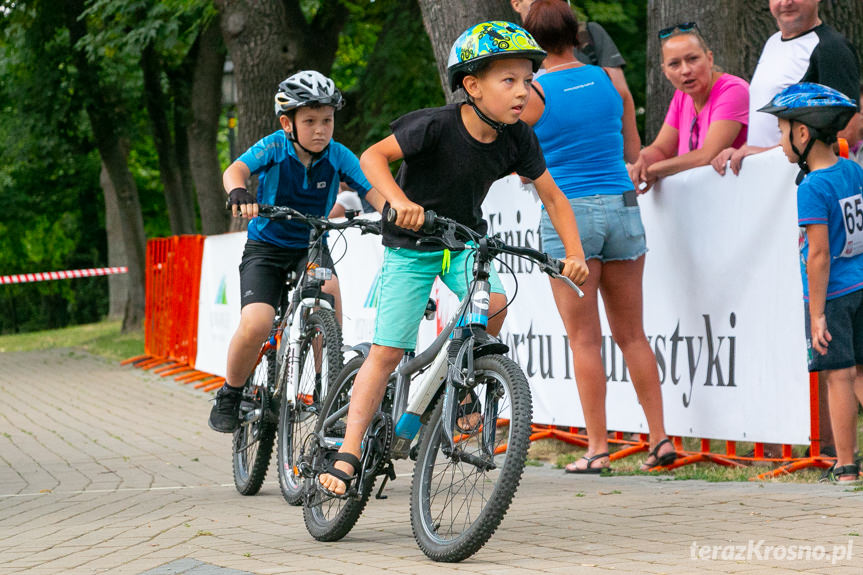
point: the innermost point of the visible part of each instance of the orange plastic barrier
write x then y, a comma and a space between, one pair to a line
786, 464
171, 313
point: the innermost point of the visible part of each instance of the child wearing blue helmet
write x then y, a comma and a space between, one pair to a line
451, 156
830, 215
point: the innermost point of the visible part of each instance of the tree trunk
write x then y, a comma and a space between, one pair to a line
104, 120
181, 212
267, 41
444, 21
203, 129
117, 284
735, 30
255, 33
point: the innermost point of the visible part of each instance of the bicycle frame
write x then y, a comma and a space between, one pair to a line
460, 336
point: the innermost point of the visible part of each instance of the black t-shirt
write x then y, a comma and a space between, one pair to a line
834, 63
447, 170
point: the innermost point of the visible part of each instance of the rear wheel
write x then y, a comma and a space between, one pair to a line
319, 362
253, 441
459, 496
330, 518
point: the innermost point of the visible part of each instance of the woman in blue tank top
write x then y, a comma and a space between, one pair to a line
577, 114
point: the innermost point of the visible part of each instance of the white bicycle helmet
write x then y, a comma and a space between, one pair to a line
305, 88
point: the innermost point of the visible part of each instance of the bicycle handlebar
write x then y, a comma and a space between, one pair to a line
319, 223
434, 223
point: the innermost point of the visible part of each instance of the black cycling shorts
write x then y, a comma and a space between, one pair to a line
265, 267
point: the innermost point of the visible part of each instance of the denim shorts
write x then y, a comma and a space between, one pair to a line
609, 230
407, 277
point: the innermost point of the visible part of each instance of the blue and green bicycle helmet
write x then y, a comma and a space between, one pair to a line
822, 109
489, 41
483, 43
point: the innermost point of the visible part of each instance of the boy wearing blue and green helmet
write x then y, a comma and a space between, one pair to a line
451, 156
830, 216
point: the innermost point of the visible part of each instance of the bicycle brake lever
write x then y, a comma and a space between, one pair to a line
570, 283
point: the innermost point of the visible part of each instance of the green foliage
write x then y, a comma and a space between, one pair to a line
49, 170
400, 76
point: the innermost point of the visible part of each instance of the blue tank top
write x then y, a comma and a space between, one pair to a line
580, 132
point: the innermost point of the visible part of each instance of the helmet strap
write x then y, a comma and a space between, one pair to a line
801, 156
499, 127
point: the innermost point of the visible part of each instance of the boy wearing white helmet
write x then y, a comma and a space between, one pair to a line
830, 216
299, 166
451, 156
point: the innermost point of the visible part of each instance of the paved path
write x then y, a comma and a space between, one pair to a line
105, 469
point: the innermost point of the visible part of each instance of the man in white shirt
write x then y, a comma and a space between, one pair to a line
804, 50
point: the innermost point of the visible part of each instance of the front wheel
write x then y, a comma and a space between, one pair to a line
329, 518
319, 362
460, 495
253, 441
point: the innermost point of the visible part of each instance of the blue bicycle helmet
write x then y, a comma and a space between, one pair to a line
822, 109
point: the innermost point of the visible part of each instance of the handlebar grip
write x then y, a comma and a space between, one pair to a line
428, 223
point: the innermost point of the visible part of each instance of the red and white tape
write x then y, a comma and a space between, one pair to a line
62, 275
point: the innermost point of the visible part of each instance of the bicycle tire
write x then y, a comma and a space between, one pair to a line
252, 443
439, 480
298, 415
326, 518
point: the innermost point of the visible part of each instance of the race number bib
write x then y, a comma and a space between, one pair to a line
852, 217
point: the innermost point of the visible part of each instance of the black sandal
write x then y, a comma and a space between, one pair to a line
331, 469
834, 473
661, 460
571, 468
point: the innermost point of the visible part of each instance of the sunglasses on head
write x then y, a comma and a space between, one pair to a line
683, 27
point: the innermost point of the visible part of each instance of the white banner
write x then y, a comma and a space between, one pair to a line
219, 304
723, 309
722, 295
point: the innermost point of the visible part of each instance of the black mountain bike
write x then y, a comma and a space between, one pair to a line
295, 366
471, 412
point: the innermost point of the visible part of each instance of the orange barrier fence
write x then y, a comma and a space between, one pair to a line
785, 464
173, 277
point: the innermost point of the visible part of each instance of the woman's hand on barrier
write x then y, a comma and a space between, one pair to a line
820, 335
575, 268
642, 181
410, 216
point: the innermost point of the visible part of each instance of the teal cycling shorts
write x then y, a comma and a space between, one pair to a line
407, 277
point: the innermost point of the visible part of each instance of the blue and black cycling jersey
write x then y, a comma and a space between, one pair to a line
284, 181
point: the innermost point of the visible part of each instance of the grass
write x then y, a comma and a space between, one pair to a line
559, 453
103, 339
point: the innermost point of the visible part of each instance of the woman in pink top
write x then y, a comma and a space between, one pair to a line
708, 113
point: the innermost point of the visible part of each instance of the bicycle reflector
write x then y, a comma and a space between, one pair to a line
320, 273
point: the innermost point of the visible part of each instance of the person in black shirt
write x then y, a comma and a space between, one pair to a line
451, 156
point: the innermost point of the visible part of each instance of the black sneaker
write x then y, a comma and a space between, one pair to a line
225, 415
